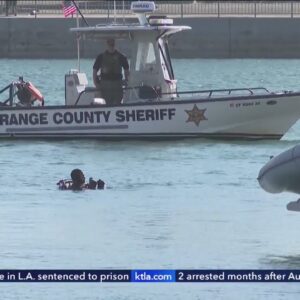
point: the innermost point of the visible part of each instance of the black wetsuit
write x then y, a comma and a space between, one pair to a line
92, 185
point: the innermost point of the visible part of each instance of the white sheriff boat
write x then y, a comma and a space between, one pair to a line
152, 107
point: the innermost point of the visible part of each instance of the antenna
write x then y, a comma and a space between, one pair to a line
123, 12
78, 10
115, 11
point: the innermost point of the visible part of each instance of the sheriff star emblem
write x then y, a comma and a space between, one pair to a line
196, 115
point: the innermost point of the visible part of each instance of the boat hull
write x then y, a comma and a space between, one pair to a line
282, 173
255, 117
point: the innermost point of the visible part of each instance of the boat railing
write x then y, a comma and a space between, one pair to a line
223, 92
145, 92
9, 100
149, 93
87, 90
211, 8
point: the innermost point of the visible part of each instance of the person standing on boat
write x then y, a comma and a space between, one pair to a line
109, 82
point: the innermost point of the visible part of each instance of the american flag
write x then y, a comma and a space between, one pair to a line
69, 8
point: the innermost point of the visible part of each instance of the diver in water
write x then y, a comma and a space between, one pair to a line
78, 182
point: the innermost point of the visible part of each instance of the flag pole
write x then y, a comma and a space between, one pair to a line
78, 41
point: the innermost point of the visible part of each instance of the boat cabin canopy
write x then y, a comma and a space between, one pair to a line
150, 62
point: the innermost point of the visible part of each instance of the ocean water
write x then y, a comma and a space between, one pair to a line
188, 204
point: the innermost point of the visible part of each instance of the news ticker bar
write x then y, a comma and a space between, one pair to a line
60, 275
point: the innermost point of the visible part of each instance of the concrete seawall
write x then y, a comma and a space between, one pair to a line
209, 38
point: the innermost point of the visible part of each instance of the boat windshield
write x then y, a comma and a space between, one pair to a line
165, 60
145, 56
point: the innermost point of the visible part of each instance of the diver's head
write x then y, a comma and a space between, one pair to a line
77, 177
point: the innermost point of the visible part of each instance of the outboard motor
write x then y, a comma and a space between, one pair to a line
24, 95
27, 93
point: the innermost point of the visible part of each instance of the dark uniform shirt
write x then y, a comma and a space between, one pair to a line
111, 65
